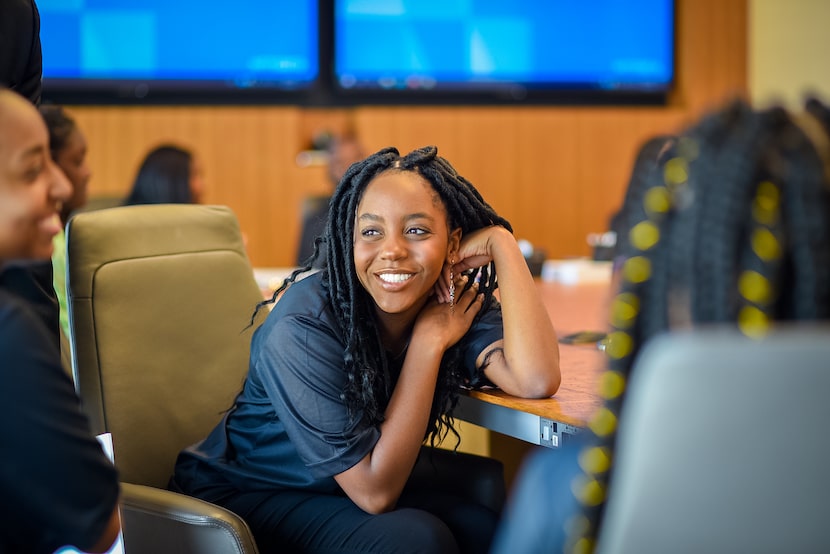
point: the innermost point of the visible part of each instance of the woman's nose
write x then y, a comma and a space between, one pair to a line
60, 189
393, 248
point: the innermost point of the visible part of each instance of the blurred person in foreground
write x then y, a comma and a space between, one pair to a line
731, 226
57, 485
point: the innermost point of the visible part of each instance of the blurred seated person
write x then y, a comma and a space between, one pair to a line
68, 146
57, 486
733, 225
342, 152
169, 174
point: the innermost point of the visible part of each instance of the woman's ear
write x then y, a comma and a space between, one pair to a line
454, 244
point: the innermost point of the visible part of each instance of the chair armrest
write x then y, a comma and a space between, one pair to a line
159, 521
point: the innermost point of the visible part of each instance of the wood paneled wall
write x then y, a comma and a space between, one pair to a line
557, 173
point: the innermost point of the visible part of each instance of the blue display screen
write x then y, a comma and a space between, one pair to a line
240, 44
324, 52
474, 44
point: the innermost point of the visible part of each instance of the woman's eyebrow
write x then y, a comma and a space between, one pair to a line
369, 217
33, 151
408, 217
419, 215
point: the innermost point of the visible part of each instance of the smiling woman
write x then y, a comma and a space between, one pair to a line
42, 509
33, 189
357, 365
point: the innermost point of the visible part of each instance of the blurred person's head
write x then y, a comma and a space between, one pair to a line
731, 227
32, 188
68, 147
168, 175
343, 151
647, 160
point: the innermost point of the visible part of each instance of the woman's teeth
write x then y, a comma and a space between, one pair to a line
394, 277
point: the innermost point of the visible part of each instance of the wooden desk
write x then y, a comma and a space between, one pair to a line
551, 421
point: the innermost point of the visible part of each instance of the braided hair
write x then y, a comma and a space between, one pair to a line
365, 360
648, 158
734, 229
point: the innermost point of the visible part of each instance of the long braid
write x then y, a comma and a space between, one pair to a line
739, 230
364, 359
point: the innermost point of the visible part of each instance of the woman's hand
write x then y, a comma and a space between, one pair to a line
477, 249
447, 322
529, 366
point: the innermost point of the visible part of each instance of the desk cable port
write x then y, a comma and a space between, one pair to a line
548, 435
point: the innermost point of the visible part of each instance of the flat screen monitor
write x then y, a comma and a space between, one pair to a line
145, 51
503, 51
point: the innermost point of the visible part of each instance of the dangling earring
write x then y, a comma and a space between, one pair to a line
452, 286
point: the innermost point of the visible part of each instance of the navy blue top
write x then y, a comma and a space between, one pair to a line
289, 427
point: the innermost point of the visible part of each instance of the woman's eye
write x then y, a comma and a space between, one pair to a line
416, 231
33, 173
369, 232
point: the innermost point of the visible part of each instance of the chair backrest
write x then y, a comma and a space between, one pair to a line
723, 446
160, 297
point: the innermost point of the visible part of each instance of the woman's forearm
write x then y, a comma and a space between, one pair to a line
531, 354
376, 482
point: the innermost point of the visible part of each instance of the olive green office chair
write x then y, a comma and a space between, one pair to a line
159, 298
723, 446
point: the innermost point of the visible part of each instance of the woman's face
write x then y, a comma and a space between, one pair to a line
72, 161
32, 187
401, 241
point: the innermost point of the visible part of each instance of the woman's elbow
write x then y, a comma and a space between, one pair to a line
376, 504
373, 491
543, 387
541, 383
551, 385
535, 378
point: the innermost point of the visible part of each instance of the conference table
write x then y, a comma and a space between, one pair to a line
576, 300
550, 422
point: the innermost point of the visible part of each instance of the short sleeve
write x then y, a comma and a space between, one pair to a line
486, 330
58, 485
299, 363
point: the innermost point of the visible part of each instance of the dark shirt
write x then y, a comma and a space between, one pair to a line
56, 484
31, 281
21, 61
290, 428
